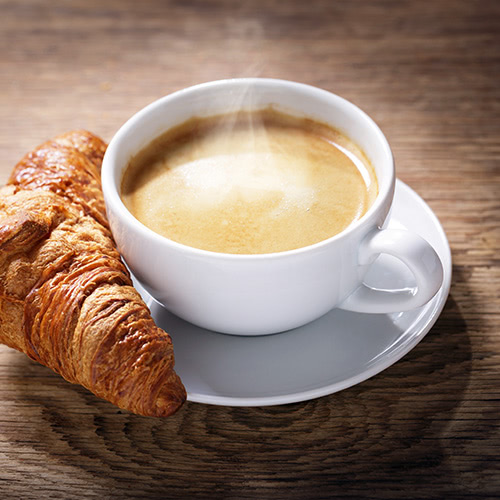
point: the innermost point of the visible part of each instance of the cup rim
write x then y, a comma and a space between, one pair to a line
113, 199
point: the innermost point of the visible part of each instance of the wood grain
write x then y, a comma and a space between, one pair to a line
428, 73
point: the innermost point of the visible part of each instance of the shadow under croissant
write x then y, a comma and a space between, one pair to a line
387, 430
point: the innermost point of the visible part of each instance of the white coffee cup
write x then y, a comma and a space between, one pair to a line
267, 293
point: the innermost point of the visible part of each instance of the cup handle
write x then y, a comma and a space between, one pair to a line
412, 250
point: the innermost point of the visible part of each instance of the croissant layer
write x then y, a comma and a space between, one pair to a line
66, 299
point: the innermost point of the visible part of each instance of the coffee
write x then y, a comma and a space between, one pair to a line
249, 183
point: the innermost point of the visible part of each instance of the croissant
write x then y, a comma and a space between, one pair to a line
66, 298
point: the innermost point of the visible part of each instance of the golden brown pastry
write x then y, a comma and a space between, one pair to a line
90, 145
58, 166
66, 299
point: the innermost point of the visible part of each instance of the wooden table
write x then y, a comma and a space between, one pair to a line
428, 73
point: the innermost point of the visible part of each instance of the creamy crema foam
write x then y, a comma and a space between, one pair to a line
249, 183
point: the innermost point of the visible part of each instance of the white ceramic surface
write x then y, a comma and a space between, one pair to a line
268, 293
334, 352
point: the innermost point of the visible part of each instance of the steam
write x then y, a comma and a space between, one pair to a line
240, 159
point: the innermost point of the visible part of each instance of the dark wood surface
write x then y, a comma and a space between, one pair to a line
428, 73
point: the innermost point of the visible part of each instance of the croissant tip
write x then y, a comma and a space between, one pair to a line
173, 407
169, 403
166, 408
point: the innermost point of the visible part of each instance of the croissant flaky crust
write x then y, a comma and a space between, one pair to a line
66, 299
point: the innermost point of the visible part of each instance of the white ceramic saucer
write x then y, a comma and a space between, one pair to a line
336, 351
